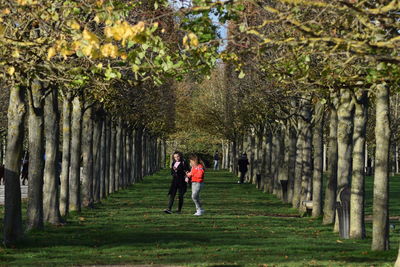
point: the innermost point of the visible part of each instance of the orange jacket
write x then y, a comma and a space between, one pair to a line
197, 174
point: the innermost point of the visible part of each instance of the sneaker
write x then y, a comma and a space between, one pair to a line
198, 213
168, 211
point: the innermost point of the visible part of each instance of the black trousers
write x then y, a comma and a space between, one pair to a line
242, 175
172, 199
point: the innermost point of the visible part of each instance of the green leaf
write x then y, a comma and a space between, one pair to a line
241, 75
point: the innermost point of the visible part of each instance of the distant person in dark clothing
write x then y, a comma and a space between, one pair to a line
178, 184
24, 170
243, 162
216, 160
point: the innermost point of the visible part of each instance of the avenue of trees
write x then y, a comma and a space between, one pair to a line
305, 82
90, 99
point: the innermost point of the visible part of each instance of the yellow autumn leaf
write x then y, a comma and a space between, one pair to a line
15, 53
109, 50
185, 39
123, 56
11, 71
65, 52
87, 50
91, 38
99, 3
5, 11
25, 2
194, 41
74, 25
139, 27
76, 45
51, 52
97, 19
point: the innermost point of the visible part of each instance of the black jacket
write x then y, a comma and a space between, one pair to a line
243, 162
178, 178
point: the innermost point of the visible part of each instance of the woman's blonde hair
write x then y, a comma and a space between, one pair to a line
197, 160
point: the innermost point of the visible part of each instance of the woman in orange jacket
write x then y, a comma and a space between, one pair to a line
197, 176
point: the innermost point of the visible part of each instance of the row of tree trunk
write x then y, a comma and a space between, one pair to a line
293, 152
100, 154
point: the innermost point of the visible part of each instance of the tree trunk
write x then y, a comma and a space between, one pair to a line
129, 157
380, 223
139, 147
306, 163
133, 167
299, 166
66, 155
87, 158
275, 162
291, 163
281, 164
330, 192
144, 154
103, 159
268, 167
12, 188
112, 157
345, 138
96, 157
108, 156
118, 153
318, 159
76, 133
357, 224
51, 203
35, 161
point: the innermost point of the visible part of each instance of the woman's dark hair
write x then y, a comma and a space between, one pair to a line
179, 154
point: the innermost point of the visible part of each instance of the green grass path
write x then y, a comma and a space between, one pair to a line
240, 228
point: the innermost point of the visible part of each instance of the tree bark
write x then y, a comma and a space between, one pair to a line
12, 188
357, 224
129, 157
103, 160
108, 156
330, 192
112, 157
345, 138
75, 173
318, 159
268, 171
299, 166
380, 223
305, 192
118, 158
96, 157
87, 158
66, 155
291, 163
51, 202
36, 161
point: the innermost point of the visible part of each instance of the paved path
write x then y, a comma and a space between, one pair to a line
24, 193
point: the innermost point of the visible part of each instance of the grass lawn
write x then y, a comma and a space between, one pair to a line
240, 228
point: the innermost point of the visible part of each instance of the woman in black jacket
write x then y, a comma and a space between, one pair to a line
178, 184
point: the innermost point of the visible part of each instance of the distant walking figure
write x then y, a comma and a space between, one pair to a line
243, 162
216, 160
178, 184
197, 176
